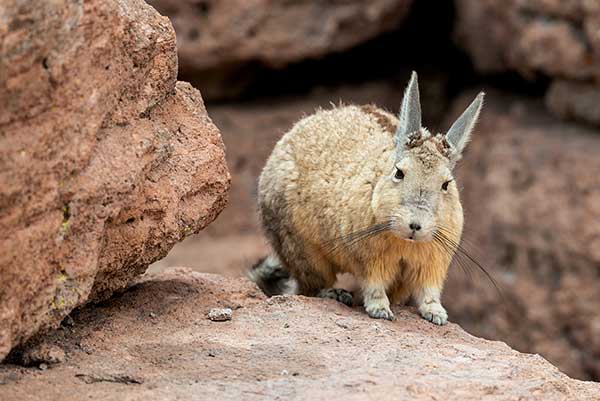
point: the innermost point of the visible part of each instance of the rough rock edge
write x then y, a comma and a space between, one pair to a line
155, 339
88, 80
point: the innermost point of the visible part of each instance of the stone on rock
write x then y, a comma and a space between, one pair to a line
220, 314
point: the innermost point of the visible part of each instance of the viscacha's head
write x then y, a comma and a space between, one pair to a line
418, 193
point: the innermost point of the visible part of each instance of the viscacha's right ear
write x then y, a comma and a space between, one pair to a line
410, 113
460, 132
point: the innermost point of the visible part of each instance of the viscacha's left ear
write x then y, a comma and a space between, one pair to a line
460, 133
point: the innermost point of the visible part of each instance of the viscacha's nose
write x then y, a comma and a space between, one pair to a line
414, 226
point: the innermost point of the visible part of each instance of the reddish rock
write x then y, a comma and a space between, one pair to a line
574, 101
217, 37
532, 204
105, 160
555, 38
280, 348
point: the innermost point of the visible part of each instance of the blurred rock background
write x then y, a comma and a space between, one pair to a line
530, 178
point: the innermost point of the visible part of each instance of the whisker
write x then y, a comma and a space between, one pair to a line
456, 258
460, 251
353, 238
464, 240
367, 234
442, 238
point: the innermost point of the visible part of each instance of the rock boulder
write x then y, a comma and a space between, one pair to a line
106, 161
558, 39
220, 41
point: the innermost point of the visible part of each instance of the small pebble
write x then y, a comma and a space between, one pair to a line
220, 314
278, 299
344, 323
43, 366
152, 315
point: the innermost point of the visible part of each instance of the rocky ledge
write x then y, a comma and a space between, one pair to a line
156, 341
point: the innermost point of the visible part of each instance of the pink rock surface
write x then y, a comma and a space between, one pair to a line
574, 100
555, 37
155, 342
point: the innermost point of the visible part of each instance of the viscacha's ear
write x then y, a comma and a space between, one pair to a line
460, 133
410, 113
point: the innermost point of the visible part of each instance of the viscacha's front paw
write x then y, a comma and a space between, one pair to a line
434, 312
380, 312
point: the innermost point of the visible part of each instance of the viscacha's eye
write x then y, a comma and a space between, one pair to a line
399, 174
445, 185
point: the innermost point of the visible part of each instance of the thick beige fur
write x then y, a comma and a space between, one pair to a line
331, 175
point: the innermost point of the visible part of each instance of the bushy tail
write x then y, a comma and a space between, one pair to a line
272, 278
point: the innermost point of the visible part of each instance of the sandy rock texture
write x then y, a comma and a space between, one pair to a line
532, 208
155, 342
106, 161
216, 38
559, 39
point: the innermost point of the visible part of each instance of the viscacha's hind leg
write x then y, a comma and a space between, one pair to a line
339, 294
312, 272
315, 276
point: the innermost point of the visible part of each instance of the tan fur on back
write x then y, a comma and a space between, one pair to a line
328, 177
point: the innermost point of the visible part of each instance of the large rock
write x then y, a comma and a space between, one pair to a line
219, 39
532, 204
155, 341
554, 38
106, 161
